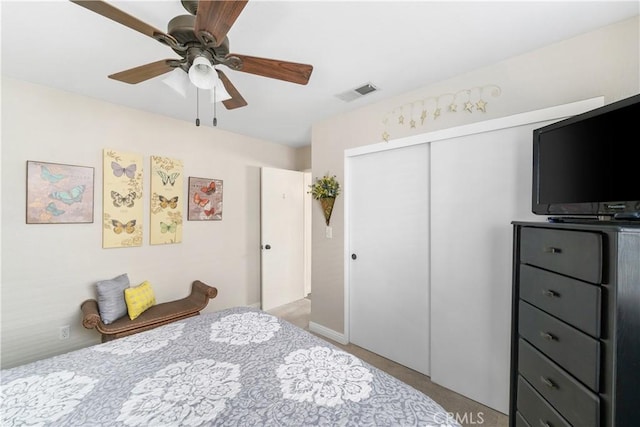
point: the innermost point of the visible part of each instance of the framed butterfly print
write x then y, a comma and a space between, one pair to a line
205, 199
167, 200
122, 199
59, 194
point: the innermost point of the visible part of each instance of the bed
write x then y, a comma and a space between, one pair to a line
234, 367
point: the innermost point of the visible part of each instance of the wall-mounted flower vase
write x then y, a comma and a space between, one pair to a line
327, 207
325, 189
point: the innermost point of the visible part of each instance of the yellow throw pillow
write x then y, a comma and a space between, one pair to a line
139, 299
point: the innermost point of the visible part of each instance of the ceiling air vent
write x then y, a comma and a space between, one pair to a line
358, 92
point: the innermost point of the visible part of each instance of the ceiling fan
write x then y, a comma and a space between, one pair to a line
200, 39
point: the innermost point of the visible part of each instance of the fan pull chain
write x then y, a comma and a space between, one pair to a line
197, 107
215, 119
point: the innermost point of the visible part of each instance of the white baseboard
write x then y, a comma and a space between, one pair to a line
328, 333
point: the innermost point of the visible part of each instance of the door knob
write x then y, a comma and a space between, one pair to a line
354, 256
267, 247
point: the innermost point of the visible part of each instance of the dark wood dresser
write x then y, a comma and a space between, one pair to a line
575, 341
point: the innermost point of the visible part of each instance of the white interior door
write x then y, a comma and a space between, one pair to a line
307, 233
389, 237
282, 236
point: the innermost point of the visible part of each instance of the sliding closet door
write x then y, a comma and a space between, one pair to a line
389, 254
480, 183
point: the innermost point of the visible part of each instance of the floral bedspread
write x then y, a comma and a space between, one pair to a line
235, 367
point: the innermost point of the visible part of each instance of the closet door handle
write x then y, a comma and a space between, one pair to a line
354, 256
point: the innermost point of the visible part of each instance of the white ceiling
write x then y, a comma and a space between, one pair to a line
397, 46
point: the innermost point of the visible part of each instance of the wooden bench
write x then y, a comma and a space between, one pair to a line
157, 315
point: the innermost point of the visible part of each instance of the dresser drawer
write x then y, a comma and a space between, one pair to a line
571, 300
576, 352
571, 399
535, 410
573, 253
520, 421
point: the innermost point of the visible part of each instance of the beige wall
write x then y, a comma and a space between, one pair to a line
600, 63
303, 158
48, 270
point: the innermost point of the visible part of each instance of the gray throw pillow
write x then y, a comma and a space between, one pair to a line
111, 303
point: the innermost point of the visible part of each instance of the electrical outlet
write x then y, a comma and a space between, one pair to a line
63, 332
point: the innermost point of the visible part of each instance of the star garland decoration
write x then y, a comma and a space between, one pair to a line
473, 100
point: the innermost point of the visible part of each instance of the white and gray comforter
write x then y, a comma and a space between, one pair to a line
235, 367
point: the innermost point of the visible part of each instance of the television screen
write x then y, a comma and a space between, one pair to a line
587, 164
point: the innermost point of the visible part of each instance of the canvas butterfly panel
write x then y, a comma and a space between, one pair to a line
166, 200
205, 199
122, 199
59, 194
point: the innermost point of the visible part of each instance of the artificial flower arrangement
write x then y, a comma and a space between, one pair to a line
326, 189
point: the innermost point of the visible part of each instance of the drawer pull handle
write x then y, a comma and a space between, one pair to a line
545, 424
547, 336
552, 250
549, 293
548, 382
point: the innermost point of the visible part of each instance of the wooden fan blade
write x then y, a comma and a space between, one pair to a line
215, 18
236, 100
119, 16
143, 72
272, 68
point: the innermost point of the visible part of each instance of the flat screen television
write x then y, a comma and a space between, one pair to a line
588, 165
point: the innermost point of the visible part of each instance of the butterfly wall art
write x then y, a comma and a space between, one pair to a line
168, 228
59, 193
209, 189
205, 199
46, 174
171, 203
122, 199
166, 194
168, 178
53, 209
70, 196
119, 200
200, 201
128, 172
119, 227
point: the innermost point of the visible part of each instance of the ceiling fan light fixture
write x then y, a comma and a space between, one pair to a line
202, 74
178, 81
200, 39
219, 93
